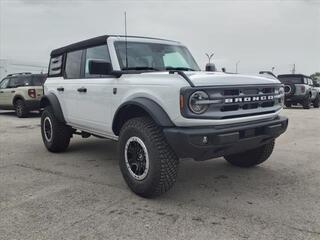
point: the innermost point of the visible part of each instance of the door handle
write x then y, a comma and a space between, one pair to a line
1, 91
82, 89
13, 91
60, 89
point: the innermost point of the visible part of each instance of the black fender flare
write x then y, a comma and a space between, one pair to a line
17, 97
153, 109
52, 100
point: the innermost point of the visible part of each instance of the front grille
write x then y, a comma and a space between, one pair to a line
239, 101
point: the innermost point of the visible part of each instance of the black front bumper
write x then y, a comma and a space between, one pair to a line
202, 143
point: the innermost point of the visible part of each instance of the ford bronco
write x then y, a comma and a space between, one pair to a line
150, 95
299, 89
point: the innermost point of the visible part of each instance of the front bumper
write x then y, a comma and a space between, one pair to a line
202, 143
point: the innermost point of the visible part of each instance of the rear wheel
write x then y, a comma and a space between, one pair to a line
288, 105
307, 102
55, 135
252, 157
21, 109
148, 164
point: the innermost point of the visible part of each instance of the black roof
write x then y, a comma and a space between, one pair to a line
293, 75
91, 42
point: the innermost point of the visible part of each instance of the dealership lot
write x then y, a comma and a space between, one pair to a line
80, 194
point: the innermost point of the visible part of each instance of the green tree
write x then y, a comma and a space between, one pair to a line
315, 76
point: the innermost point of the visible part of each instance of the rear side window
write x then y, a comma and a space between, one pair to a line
73, 64
55, 67
38, 80
20, 81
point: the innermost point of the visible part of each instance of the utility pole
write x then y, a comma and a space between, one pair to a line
237, 63
293, 71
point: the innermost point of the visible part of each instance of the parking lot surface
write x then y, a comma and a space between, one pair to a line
80, 194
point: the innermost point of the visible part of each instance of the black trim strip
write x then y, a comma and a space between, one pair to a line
182, 74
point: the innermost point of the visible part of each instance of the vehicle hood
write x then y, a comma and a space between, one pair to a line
219, 78
201, 79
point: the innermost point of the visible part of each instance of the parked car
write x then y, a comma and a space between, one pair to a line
21, 92
316, 84
299, 89
150, 95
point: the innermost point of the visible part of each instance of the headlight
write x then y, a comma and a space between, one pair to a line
281, 96
198, 102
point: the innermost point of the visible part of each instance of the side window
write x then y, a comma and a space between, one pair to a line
97, 54
4, 83
73, 64
19, 81
55, 66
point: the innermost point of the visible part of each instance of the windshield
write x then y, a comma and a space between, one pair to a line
291, 79
154, 56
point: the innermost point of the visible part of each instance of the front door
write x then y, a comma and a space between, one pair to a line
6, 93
88, 95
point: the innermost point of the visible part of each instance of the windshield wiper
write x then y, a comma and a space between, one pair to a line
140, 68
180, 68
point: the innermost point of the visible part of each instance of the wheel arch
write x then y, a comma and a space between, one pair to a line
16, 98
137, 107
53, 101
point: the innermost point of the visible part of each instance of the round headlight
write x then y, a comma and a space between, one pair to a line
198, 102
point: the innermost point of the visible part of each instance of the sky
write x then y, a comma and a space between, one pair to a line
259, 34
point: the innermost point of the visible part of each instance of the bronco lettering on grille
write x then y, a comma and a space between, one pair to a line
248, 99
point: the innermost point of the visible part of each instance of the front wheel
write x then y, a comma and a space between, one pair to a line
252, 157
148, 164
55, 135
316, 101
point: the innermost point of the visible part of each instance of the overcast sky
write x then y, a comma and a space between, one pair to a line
261, 34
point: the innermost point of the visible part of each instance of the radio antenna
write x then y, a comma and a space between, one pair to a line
125, 36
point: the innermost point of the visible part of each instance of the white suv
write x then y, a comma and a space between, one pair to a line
150, 95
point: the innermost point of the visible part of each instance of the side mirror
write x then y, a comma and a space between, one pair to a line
100, 67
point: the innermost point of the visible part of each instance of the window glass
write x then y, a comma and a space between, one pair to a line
38, 80
73, 64
99, 53
153, 56
4, 83
55, 66
174, 59
291, 79
20, 81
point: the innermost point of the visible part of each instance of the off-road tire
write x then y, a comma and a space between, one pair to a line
61, 133
316, 101
163, 162
252, 157
306, 103
21, 109
288, 105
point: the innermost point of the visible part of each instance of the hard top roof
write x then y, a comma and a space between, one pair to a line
93, 42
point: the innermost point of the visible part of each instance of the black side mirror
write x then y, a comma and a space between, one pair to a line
99, 67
